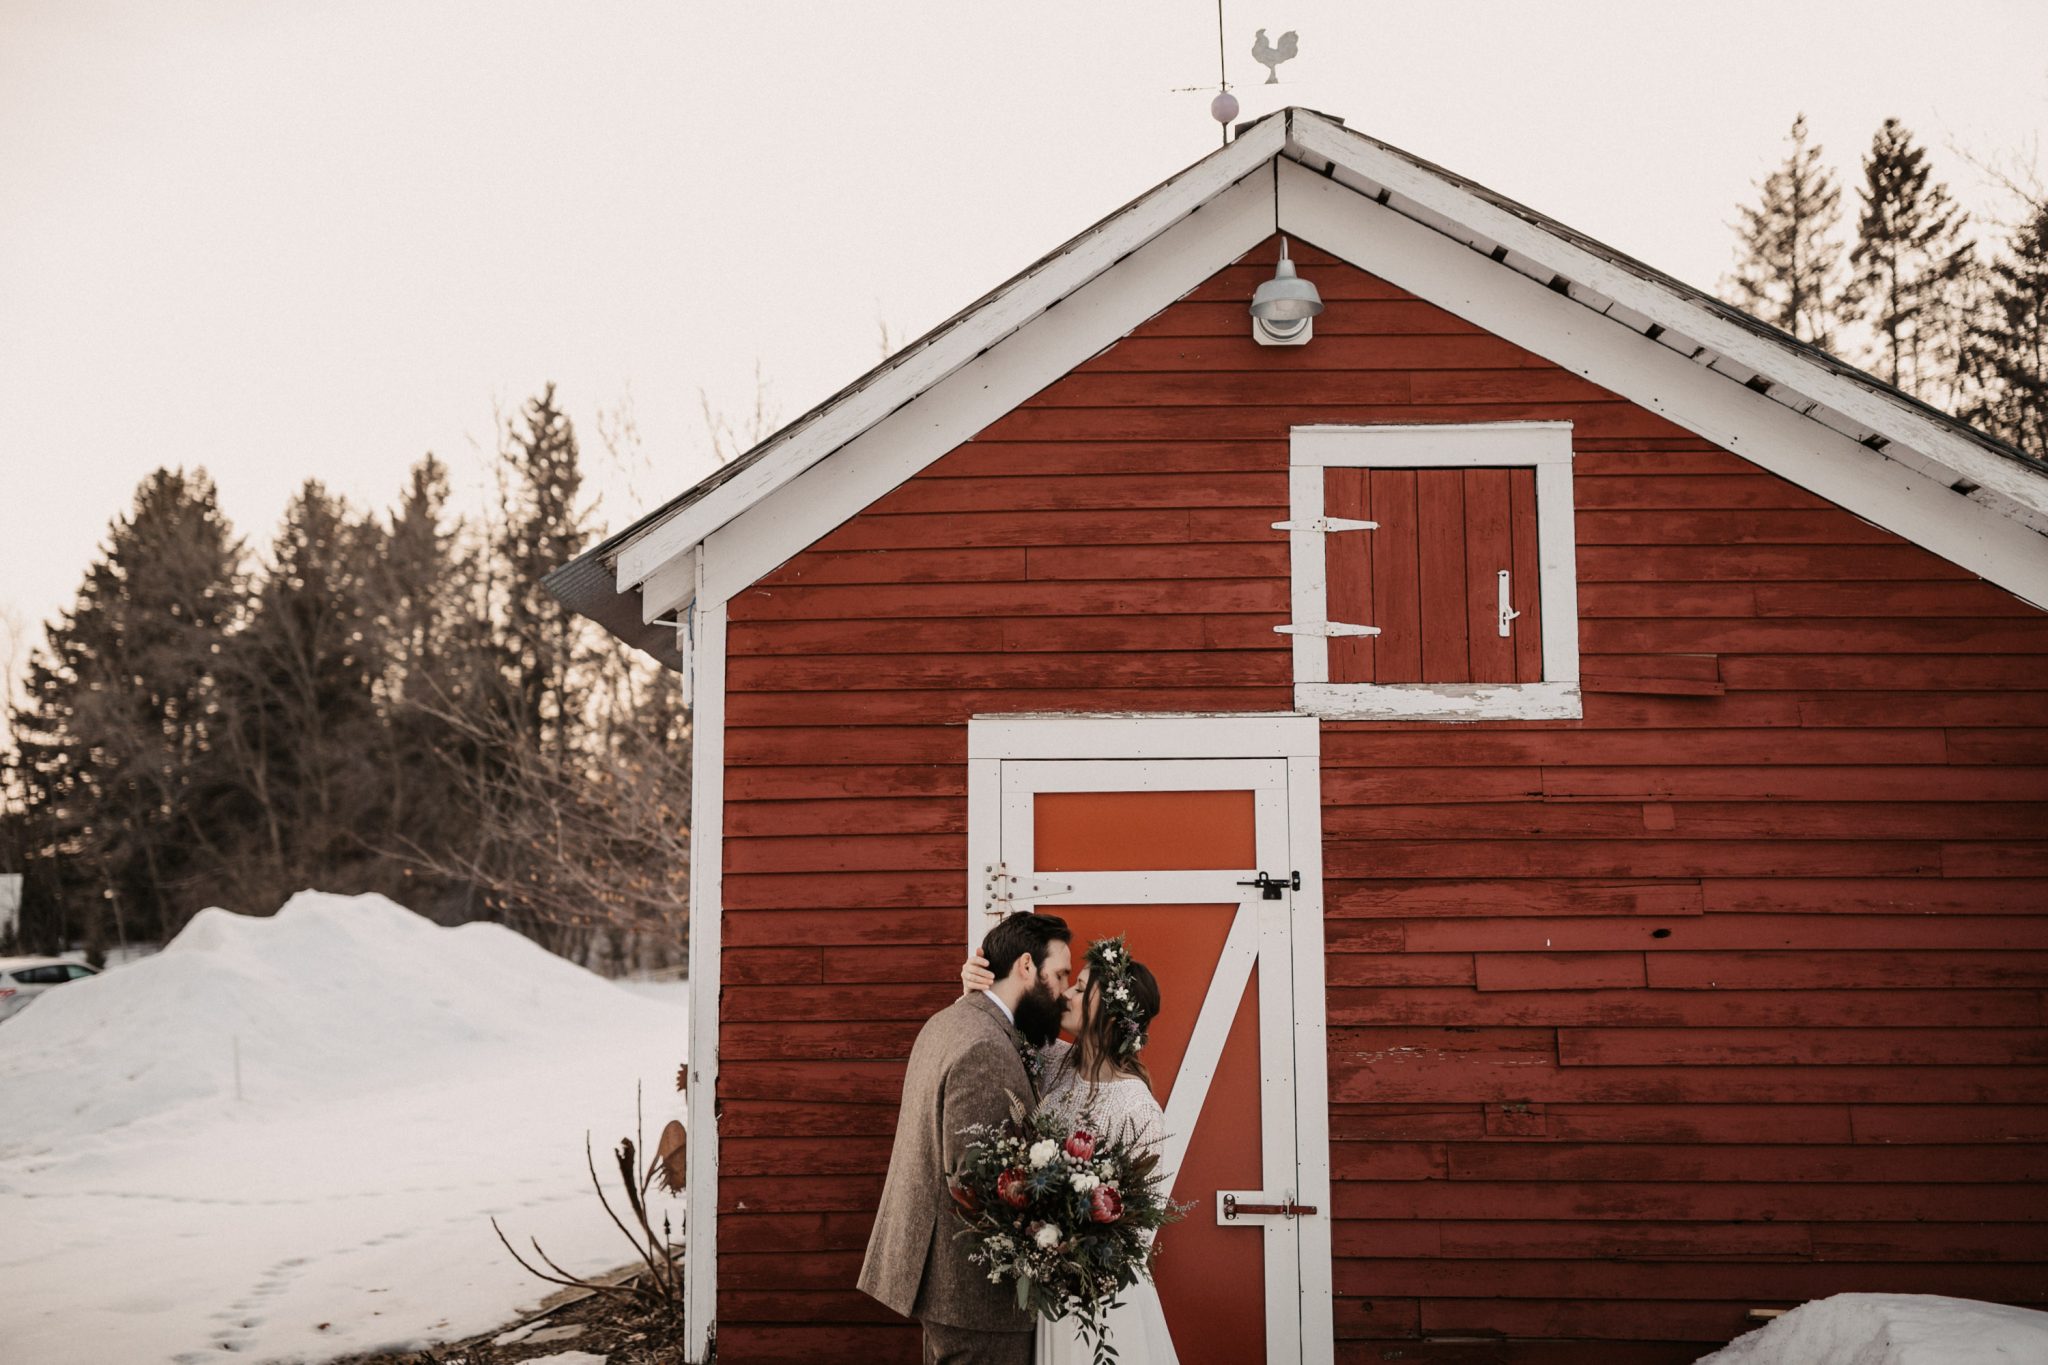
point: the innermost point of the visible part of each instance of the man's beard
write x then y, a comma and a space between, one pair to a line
1038, 1016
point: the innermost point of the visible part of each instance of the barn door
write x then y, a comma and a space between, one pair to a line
1172, 854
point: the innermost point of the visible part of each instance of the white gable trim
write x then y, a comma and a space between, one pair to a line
1910, 437
1435, 267
1094, 316
954, 347
1871, 452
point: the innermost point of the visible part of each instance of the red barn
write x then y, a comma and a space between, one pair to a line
1577, 757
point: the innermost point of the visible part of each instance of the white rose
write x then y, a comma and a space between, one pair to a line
1048, 1236
1043, 1152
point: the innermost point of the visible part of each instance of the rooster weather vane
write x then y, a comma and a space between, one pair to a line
1224, 107
1270, 56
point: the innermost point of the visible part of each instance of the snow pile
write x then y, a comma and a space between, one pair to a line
1893, 1329
399, 1083
332, 996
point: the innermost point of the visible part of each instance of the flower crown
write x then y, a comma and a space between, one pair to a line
1109, 967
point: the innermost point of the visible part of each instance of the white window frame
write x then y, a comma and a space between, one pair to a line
1545, 446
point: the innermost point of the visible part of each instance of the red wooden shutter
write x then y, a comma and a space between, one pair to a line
1429, 577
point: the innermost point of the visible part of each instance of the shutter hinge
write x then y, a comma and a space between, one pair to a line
1327, 629
1326, 525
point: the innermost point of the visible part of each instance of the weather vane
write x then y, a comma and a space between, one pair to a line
1269, 55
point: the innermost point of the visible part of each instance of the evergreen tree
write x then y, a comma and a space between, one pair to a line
544, 528
1789, 265
2011, 341
117, 737
1912, 269
441, 665
415, 581
306, 736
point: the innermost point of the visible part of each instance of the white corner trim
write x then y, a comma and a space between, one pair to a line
1439, 701
1605, 282
916, 371
707, 869
1889, 494
1544, 446
1254, 734
1052, 342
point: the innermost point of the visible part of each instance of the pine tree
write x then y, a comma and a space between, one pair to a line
1789, 265
307, 738
415, 582
544, 528
1912, 269
117, 738
2011, 342
440, 664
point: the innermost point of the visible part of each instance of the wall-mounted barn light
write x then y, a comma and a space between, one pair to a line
1282, 307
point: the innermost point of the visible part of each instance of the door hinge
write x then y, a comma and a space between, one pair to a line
1007, 891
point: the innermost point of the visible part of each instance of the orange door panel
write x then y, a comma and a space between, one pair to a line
1211, 1278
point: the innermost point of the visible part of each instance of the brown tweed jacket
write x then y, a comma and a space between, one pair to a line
963, 1069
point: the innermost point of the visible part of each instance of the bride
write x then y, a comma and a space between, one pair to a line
1099, 1083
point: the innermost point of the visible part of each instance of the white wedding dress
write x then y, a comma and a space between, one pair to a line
1113, 1109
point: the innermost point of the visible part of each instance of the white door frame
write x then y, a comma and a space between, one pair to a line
1278, 756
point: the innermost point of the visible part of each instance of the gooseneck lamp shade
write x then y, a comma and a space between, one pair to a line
1286, 297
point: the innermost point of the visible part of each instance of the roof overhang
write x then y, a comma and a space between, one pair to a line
647, 571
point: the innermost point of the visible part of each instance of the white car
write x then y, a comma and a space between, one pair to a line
22, 979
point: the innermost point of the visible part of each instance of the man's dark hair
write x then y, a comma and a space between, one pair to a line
1020, 934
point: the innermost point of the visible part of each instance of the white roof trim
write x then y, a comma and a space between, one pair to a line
1601, 284
918, 370
1889, 426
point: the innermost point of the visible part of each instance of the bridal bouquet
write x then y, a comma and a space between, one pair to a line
1061, 1213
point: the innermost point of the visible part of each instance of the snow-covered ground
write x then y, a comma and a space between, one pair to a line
1893, 1329
400, 1083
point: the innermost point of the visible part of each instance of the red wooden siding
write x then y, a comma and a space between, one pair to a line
1728, 995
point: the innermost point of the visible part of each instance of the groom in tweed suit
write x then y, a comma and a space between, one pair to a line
964, 1067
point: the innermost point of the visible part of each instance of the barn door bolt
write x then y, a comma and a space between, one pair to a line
1269, 889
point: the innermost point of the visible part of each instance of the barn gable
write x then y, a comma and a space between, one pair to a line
1806, 732
1826, 426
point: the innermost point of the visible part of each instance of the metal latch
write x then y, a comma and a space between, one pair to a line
1507, 613
1229, 1208
1269, 889
1006, 891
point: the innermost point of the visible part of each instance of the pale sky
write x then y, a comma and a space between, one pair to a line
308, 238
